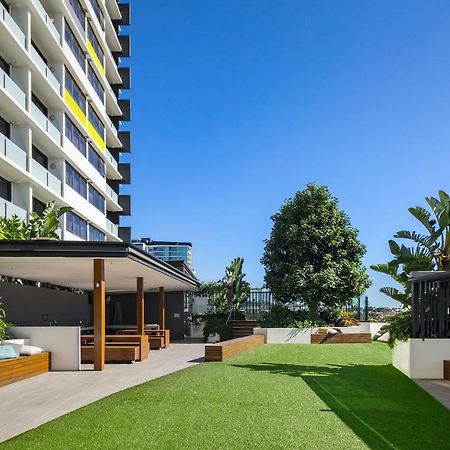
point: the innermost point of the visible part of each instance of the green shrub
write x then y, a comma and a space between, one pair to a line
4, 325
217, 325
399, 327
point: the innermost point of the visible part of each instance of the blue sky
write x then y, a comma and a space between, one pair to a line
238, 104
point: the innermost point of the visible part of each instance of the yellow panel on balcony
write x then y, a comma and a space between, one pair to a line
96, 137
95, 57
73, 105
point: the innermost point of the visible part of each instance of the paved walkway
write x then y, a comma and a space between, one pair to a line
439, 389
30, 403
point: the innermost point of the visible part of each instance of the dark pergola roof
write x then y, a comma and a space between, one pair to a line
70, 263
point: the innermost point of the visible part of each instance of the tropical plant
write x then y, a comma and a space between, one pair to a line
430, 252
399, 327
4, 325
313, 254
237, 289
217, 325
39, 226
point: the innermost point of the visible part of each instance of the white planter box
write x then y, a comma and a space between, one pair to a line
285, 335
421, 359
370, 327
197, 330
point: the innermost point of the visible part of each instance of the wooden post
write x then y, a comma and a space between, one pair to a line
162, 309
140, 306
99, 314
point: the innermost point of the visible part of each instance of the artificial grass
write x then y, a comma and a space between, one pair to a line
276, 397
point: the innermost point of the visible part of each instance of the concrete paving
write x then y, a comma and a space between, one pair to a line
439, 389
30, 403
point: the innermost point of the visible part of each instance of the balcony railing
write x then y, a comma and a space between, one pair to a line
45, 124
13, 152
45, 177
8, 209
110, 193
47, 19
45, 70
112, 228
12, 26
12, 89
111, 159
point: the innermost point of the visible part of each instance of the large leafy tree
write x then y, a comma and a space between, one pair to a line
313, 254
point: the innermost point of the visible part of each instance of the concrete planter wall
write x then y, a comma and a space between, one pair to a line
421, 359
284, 335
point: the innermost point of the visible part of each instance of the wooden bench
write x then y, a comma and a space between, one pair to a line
227, 349
122, 340
12, 370
113, 353
341, 338
157, 338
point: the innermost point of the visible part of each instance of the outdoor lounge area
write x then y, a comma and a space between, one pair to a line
102, 268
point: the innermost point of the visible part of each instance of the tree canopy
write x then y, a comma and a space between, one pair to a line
313, 253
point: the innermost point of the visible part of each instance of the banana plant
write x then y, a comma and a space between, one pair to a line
431, 250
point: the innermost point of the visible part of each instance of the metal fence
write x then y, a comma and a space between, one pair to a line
430, 305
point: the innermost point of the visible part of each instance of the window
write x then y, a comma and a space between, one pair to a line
39, 157
4, 65
39, 51
96, 199
76, 225
5, 127
95, 234
75, 92
74, 46
96, 46
5, 189
76, 181
38, 206
75, 136
97, 161
96, 122
98, 13
79, 12
39, 104
5, 4
96, 84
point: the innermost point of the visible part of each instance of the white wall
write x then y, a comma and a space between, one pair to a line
62, 342
371, 327
284, 335
422, 359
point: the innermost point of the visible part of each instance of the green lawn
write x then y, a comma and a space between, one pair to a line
276, 397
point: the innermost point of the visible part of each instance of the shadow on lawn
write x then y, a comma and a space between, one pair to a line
383, 407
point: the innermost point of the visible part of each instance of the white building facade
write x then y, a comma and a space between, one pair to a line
61, 82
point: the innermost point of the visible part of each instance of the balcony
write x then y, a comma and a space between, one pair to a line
8, 209
12, 26
45, 124
45, 70
13, 152
45, 177
11, 89
47, 19
111, 159
112, 228
110, 193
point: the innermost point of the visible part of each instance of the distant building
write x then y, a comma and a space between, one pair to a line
167, 250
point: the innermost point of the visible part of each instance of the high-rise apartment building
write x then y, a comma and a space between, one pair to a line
168, 251
61, 110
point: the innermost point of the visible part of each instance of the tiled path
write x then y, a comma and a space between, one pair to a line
30, 403
439, 389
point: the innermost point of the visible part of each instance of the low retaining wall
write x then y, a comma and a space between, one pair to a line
284, 335
227, 349
421, 358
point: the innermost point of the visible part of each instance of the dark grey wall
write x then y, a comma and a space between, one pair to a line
27, 304
174, 310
